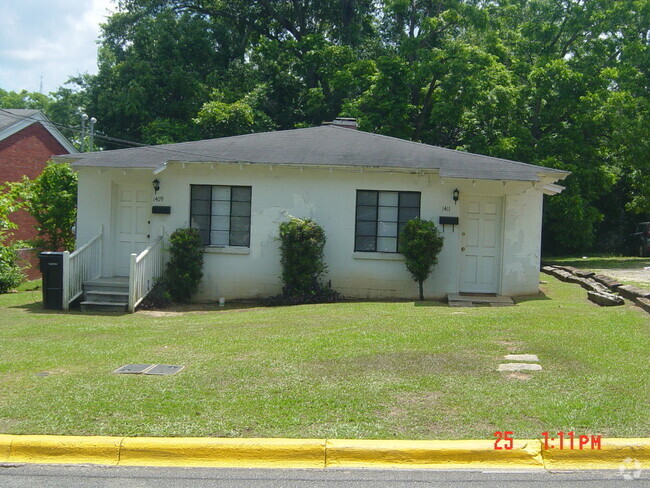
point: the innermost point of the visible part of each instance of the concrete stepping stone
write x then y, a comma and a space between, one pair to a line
521, 357
519, 367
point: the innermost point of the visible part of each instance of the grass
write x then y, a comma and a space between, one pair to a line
600, 262
347, 370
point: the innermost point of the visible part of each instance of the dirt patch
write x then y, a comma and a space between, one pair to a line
641, 276
519, 376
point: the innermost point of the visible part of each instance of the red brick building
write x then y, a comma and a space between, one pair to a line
27, 141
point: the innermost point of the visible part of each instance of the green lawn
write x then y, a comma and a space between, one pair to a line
347, 370
600, 262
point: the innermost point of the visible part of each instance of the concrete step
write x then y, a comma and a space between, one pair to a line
107, 296
91, 306
107, 284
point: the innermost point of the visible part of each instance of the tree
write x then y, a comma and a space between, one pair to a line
420, 243
51, 198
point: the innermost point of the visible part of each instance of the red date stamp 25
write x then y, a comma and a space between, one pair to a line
564, 440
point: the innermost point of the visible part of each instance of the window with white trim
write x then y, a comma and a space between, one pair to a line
381, 216
222, 214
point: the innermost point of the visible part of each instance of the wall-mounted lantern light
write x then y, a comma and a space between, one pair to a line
156, 185
456, 194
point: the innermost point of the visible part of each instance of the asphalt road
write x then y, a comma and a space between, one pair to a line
50, 476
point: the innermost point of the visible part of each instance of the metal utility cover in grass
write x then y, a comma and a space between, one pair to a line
133, 368
154, 369
162, 369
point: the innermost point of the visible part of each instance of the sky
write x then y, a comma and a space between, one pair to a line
53, 38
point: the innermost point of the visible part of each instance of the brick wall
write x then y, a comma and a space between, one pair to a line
25, 154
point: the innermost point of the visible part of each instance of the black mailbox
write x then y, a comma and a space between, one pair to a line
448, 221
51, 264
161, 209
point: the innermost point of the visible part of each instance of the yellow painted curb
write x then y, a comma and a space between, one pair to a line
223, 452
319, 453
5, 447
58, 449
614, 453
342, 453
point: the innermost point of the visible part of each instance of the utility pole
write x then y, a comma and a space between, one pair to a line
84, 117
93, 120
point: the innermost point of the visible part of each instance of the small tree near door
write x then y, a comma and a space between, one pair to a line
420, 243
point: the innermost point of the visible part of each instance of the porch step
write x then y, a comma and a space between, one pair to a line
471, 300
90, 306
107, 296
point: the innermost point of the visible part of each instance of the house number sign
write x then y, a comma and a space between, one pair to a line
446, 208
159, 199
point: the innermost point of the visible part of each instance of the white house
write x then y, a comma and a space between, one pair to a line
360, 187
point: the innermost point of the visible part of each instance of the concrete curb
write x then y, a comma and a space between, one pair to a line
315, 453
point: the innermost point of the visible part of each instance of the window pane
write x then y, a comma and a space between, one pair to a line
366, 228
200, 192
387, 229
240, 238
388, 198
241, 209
408, 214
366, 198
220, 193
386, 244
220, 223
366, 213
201, 223
220, 208
219, 238
205, 236
364, 244
388, 213
239, 223
241, 194
200, 207
410, 200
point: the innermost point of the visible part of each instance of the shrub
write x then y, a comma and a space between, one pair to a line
302, 245
420, 243
185, 268
10, 273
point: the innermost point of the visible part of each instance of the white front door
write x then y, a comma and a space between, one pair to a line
132, 211
480, 252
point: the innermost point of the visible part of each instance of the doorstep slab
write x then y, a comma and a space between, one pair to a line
521, 357
519, 367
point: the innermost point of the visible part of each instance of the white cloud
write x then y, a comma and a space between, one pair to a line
54, 38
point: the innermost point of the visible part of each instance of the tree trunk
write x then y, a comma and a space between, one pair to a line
421, 282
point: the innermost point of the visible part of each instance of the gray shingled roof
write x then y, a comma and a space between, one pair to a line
326, 146
14, 116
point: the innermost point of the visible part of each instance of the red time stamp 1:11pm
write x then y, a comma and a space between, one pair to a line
563, 440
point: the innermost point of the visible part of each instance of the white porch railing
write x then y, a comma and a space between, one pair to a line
81, 265
145, 269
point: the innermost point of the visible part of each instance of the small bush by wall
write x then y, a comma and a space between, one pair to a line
185, 268
420, 243
302, 246
10, 273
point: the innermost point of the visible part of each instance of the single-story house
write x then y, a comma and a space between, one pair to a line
27, 141
360, 187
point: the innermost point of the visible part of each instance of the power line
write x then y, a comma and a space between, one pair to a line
159, 148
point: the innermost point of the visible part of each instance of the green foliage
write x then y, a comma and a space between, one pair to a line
420, 243
10, 273
185, 267
302, 246
558, 83
51, 198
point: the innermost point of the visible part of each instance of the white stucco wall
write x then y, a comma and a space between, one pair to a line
329, 197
